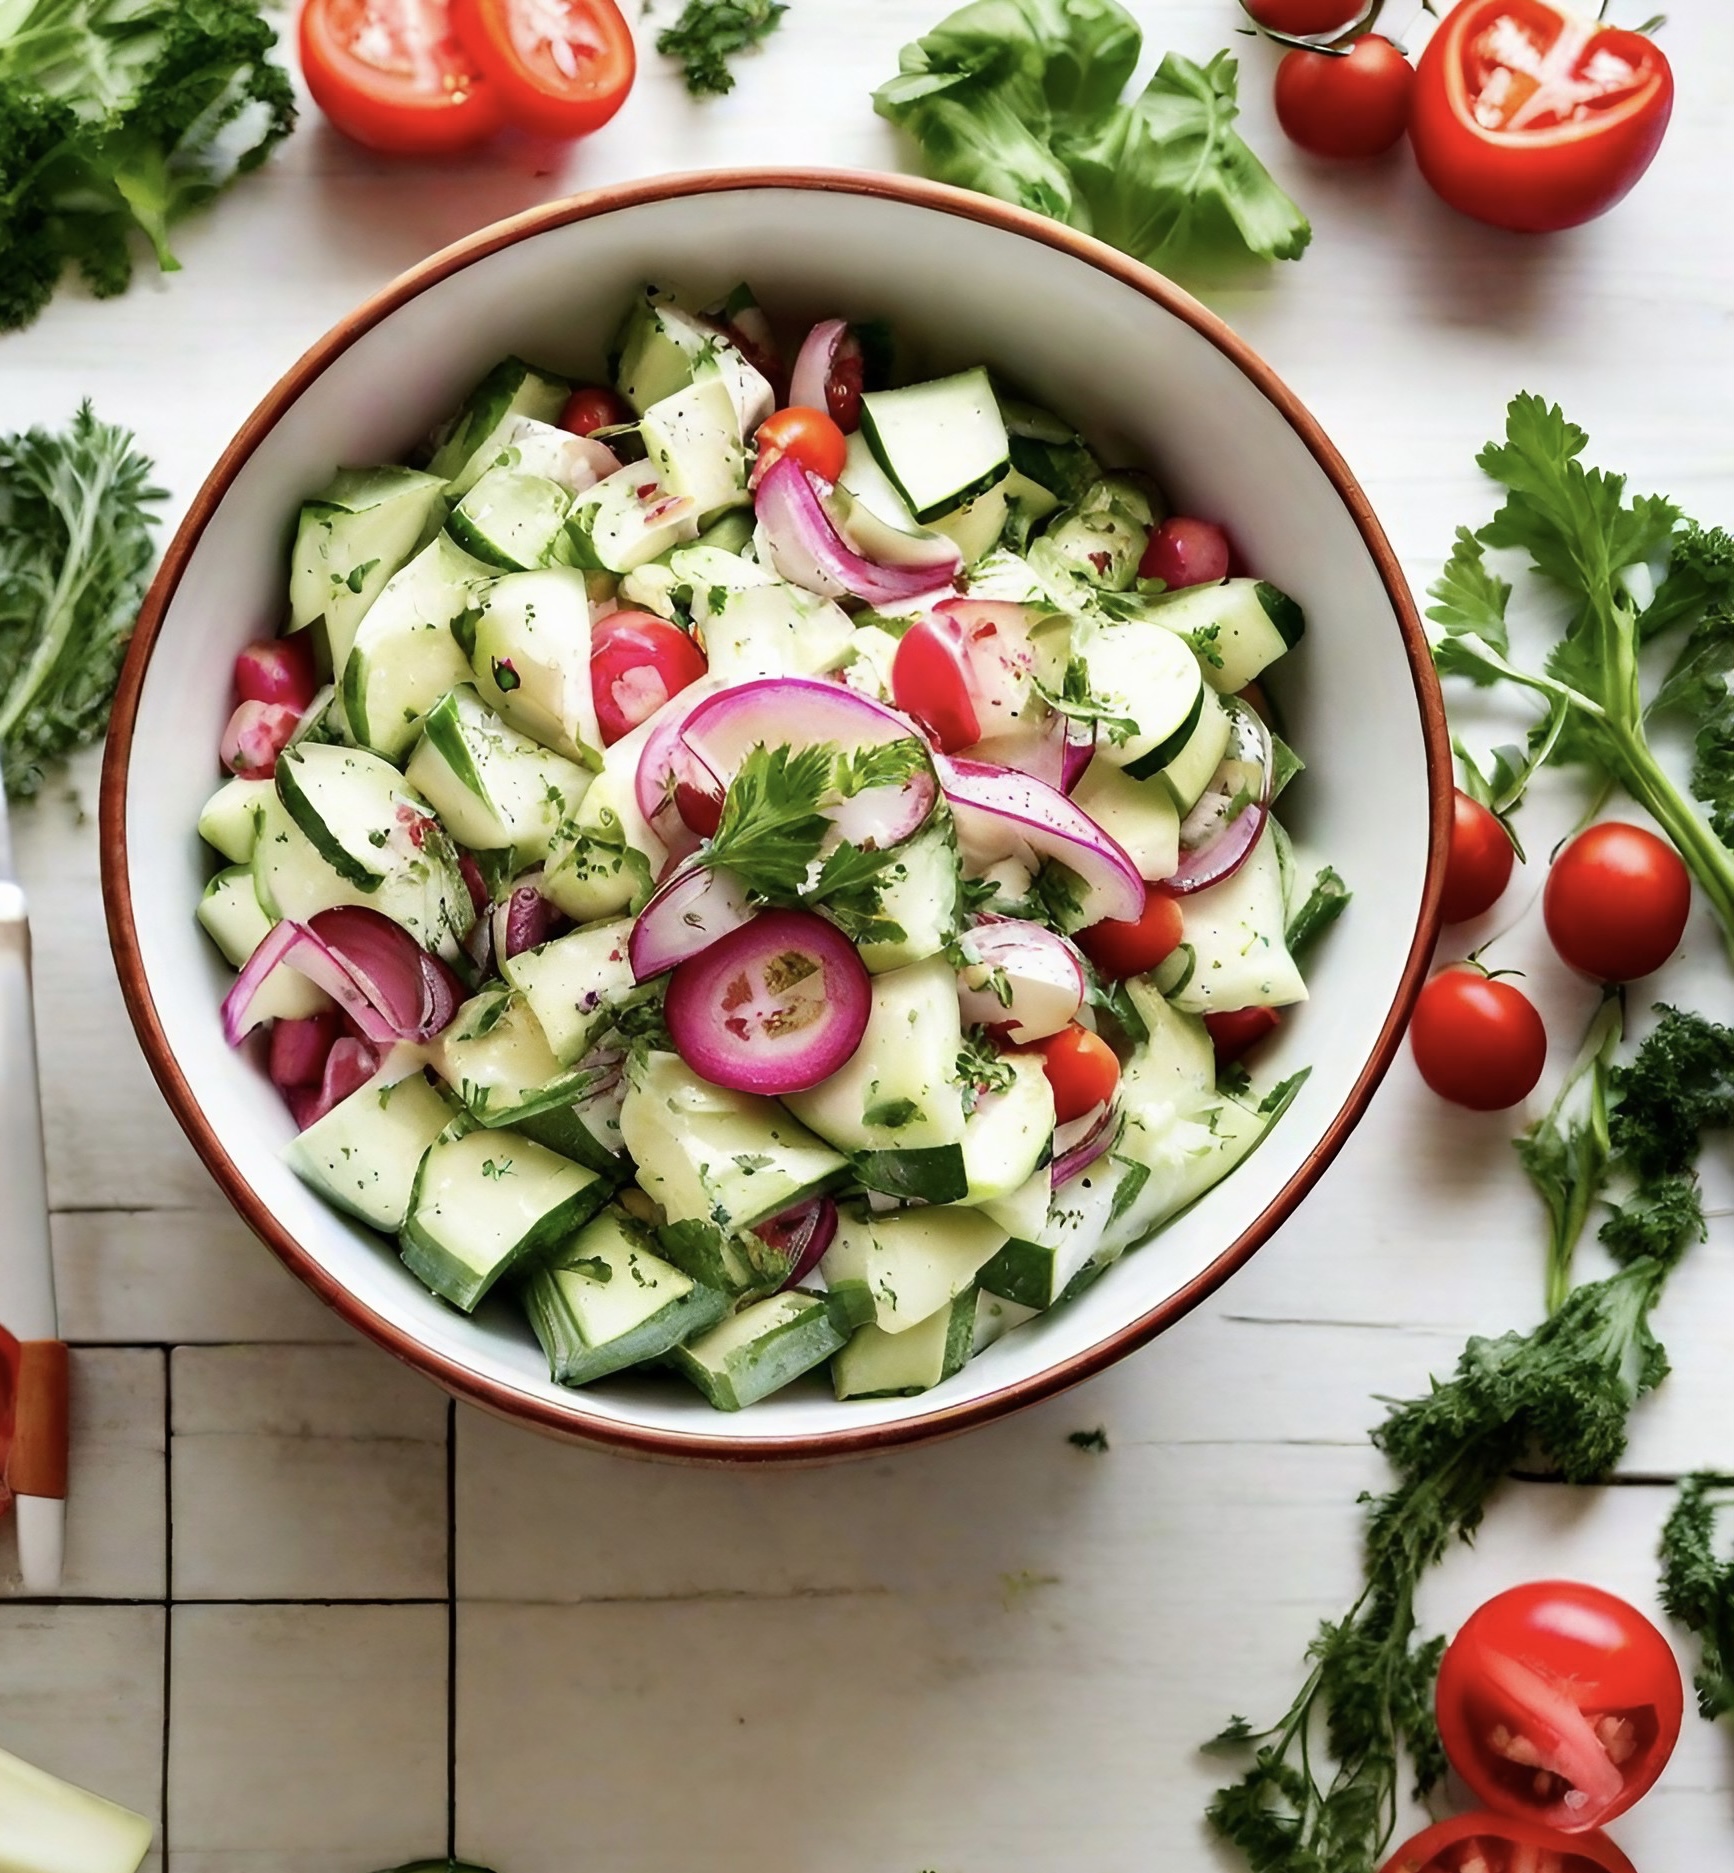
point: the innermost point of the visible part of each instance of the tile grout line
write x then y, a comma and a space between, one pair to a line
168, 1589
451, 1629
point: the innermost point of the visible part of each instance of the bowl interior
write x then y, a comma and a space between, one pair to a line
1144, 385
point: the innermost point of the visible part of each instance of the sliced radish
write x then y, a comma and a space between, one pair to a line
1218, 835
1024, 983
692, 908
773, 1007
1002, 659
349, 1066
256, 734
670, 780
1080, 1143
806, 548
278, 670
802, 1234
1004, 814
930, 680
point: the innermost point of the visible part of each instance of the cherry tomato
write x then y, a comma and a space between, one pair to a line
1559, 1702
1350, 105
847, 381
810, 436
1081, 1069
637, 661
592, 408
278, 669
1305, 19
1122, 947
1479, 866
1535, 116
930, 680
562, 68
1493, 1843
1477, 1042
392, 75
1616, 902
1235, 1033
1184, 551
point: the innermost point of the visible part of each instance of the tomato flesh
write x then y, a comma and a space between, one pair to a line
1559, 1702
592, 408
930, 680
1131, 946
637, 661
1616, 902
562, 67
1479, 866
1477, 1042
1235, 1032
1081, 1070
1493, 1843
392, 75
810, 436
1533, 117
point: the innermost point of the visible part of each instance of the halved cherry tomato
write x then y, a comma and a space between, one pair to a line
1122, 947
1479, 865
930, 680
1559, 1702
1493, 1843
1183, 551
1235, 1032
1305, 19
1351, 105
1532, 116
562, 67
1616, 902
391, 74
810, 436
1477, 1042
592, 408
1081, 1069
637, 661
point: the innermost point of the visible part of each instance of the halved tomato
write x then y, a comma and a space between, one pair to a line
390, 74
562, 67
1498, 1843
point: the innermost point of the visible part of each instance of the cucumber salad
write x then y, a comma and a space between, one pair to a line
762, 863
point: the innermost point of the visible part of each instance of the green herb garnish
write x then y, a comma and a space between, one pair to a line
710, 32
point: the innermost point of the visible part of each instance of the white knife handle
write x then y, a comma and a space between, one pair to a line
26, 1267
41, 1526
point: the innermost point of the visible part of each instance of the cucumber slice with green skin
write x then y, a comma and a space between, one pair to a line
1100, 540
1237, 629
693, 440
920, 892
1183, 1155
492, 786
324, 720
606, 858
1139, 814
229, 820
626, 520
895, 1106
471, 441
231, 916
709, 1155
1150, 683
355, 809
744, 1266
754, 624
760, 1350
352, 537
1009, 1135
1024, 1211
497, 1059
907, 1264
940, 442
995, 1317
587, 1132
1191, 770
1014, 505
511, 518
606, 1300
877, 1364
574, 984
484, 1202
1036, 1271
529, 646
1176, 1064
365, 1153
654, 351
1235, 954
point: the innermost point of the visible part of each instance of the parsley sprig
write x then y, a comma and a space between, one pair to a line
710, 32
1698, 1583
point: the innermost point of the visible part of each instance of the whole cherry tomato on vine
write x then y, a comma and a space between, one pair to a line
1351, 105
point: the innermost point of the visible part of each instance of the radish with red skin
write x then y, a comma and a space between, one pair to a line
930, 680
256, 734
278, 670
773, 1007
1183, 551
1026, 984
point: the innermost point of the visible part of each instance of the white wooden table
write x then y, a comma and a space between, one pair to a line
317, 1621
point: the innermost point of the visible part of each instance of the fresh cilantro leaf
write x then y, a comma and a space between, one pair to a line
1325, 903
75, 553
981, 1068
1470, 598
1076, 699
118, 115
1698, 1583
1234, 1080
771, 827
891, 1114
710, 32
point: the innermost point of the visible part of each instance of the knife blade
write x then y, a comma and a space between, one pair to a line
36, 1467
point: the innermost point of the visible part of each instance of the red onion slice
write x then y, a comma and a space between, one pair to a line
348, 1068
1077, 751
1213, 847
523, 920
1097, 1133
1004, 814
1025, 984
802, 1234
689, 911
812, 372
665, 765
300, 1048
806, 548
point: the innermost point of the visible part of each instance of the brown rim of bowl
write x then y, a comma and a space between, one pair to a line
504, 1400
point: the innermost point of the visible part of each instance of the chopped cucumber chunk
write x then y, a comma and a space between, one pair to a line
470, 443
877, 1364
760, 1350
574, 984
906, 1264
365, 1153
939, 442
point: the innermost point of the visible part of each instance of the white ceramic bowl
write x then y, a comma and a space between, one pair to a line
1149, 375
